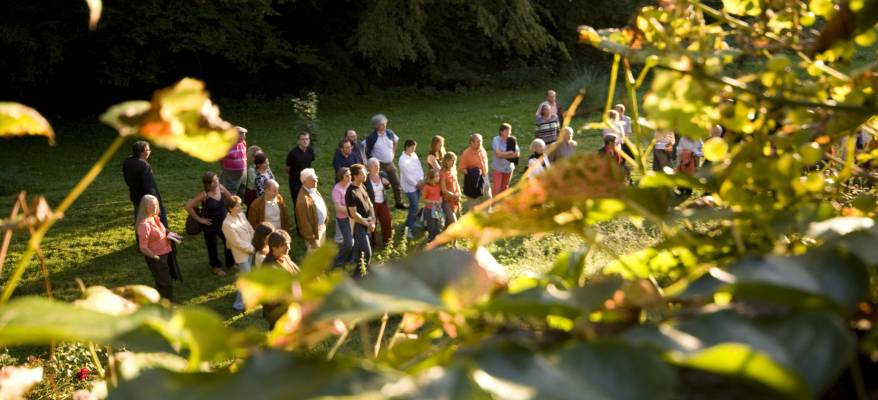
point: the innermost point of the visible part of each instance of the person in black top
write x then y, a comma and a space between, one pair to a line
362, 215
140, 180
213, 213
299, 158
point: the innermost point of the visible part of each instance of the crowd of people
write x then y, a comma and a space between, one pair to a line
242, 214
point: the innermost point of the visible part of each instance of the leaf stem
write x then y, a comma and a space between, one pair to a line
338, 343
37, 237
97, 361
380, 338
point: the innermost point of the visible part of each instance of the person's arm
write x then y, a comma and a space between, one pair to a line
235, 240
443, 189
190, 208
225, 192
433, 162
289, 162
339, 204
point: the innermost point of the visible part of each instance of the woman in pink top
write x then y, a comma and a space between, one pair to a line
155, 244
432, 194
342, 222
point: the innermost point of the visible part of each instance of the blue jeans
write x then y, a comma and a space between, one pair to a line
243, 267
362, 249
347, 241
414, 199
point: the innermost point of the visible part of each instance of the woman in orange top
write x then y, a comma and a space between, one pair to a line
155, 244
432, 193
450, 188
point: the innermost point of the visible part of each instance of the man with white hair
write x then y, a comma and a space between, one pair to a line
269, 207
311, 210
381, 144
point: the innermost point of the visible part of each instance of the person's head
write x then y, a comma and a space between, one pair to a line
149, 207
537, 146
716, 131
260, 235
409, 146
233, 204
252, 150
437, 146
448, 161
505, 130
304, 140
545, 110
343, 175
140, 149
271, 188
260, 160
373, 166
308, 177
242, 133
620, 108
475, 141
379, 122
351, 135
566, 134
612, 115
432, 177
358, 174
610, 141
550, 96
209, 181
345, 147
279, 243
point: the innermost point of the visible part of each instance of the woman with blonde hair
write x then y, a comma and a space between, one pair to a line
437, 151
154, 242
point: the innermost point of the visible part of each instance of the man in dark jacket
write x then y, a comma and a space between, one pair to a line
138, 176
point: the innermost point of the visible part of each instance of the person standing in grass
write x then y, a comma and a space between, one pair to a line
411, 177
501, 166
376, 186
260, 244
450, 188
566, 146
663, 150
381, 145
437, 151
270, 207
432, 193
344, 156
555, 108
234, 165
311, 211
536, 163
299, 158
213, 212
343, 228
239, 239
625, 123
361, 214
358, 149
548, 125
474, 166
262, 173
278, 257
155, 245
140, 179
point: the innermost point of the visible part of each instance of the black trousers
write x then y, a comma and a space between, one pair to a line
210, 241
161, 272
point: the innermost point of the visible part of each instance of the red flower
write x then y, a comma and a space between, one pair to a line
83, 374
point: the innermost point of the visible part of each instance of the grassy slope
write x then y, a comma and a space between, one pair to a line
94, 242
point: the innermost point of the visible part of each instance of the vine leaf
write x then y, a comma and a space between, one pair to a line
179, 117
20, 120
95, 7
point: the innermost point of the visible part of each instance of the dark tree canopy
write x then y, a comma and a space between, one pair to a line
273, 46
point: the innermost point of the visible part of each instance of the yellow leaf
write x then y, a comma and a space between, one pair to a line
20, 120
715, 149
866, 38
94, 13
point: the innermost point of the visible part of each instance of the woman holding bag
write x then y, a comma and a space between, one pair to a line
154, 242
213, 213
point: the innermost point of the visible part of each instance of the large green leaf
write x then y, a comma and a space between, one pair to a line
454, 382
20, 120
550, 300
583, 371
820, 278
798, 356
271, 375
37, 320
178, 117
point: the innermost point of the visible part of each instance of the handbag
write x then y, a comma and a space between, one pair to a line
193, 227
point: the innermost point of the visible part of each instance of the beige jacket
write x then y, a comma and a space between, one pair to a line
239, 237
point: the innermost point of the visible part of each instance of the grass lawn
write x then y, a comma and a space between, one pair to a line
95, 240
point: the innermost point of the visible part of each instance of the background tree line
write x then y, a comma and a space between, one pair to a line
267, 47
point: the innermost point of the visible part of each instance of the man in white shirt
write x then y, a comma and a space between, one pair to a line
311, 211
381, 144
411, 176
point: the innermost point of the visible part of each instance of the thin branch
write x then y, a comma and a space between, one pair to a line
380, 338
37, 237
7, 237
